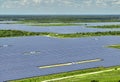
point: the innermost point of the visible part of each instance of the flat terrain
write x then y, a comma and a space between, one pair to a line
52, 24
15, 64
59, 48
100, 74
61, 18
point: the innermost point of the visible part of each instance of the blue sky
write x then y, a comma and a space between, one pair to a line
59, 7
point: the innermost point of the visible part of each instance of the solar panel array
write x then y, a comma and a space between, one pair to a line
14, 64
59, 29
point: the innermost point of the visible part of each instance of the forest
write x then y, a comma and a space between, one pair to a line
60, 18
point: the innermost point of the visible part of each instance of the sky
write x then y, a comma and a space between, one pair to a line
58, 7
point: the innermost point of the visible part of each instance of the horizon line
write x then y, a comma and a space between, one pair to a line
57, 14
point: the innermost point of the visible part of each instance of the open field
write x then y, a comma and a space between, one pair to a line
100, 74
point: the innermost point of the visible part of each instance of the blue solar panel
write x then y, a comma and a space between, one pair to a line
59, 29
14, 64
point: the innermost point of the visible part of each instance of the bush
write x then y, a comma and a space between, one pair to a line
94, 81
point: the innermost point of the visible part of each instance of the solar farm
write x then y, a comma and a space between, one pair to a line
32, 56
58, 55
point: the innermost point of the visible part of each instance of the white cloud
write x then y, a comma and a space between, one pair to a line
66, 3
15, 3
37, 1
101, 3
117, 2
88, 2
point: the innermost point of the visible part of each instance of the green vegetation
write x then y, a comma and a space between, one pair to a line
8, 23
15, 33
88, 34
58, 20
67, 20
115, 46
113, 73
51, 24
110, 74
106, 26
61, 18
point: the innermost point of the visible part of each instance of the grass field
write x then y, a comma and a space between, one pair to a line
111, 76
52, 24
101, 74
115, 46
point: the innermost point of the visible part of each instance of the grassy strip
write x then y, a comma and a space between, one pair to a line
106, 26
52, 24
88, 34
53, 76
115, 46
106, 76
15, 33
